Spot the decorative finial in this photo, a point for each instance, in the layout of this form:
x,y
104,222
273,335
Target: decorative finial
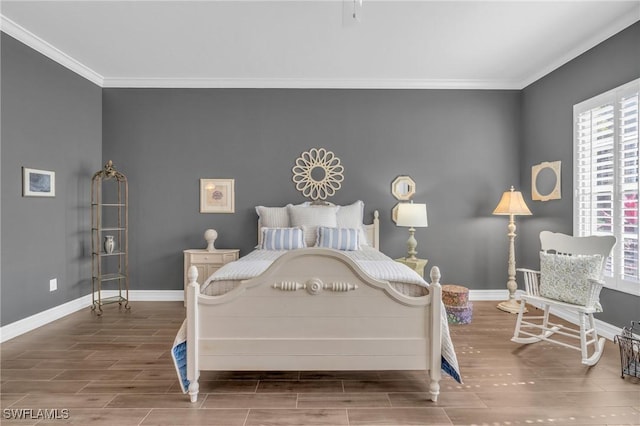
x,y
109,169
210,236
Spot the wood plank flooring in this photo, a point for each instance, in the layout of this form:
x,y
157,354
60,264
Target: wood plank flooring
x,y
117,370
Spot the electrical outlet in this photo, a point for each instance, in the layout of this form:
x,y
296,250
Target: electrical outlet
x,y
53,284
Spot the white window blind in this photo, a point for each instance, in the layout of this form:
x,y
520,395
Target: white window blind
x,y
606,183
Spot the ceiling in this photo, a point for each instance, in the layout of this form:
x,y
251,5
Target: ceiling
x,y
315,44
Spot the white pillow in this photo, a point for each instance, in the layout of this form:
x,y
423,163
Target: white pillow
x,y
352,216
338,238
281,238
309,218
565,278
273,217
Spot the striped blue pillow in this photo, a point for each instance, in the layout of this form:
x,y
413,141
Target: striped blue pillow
x,y
282,239
338,238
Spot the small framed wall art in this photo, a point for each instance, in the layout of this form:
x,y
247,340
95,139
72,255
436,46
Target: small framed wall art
x,y
217,196
38,183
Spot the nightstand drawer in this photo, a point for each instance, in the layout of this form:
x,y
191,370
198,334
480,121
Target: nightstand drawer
x,y
219,258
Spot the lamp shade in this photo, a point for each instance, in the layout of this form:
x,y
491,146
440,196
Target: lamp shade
x,y
413,215
512,203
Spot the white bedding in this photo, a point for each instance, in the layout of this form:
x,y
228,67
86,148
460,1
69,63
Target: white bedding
x,y
373,262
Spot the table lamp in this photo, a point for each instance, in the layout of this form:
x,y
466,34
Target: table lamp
x,y
412,215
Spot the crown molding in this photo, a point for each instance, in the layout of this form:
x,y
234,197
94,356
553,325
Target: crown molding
x,y
307,83
605,33
23,35
39,45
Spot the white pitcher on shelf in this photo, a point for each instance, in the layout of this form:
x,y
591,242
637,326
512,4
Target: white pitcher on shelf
x,y
109,244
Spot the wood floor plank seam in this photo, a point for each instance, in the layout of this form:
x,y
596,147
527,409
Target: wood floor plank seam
x,y
144,418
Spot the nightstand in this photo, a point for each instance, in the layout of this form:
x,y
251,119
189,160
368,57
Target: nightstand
x,y
417,264
207,262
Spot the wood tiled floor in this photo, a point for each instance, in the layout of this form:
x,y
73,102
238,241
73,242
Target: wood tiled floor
x,y
117,370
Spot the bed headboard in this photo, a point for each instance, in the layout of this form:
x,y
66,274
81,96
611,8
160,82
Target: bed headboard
x,y
372,231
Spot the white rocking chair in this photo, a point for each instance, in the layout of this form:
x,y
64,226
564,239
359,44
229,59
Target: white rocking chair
x,y
542,328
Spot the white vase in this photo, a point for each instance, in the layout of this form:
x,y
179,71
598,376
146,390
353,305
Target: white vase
x,y
109,244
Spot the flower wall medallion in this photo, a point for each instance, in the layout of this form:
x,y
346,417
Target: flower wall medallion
x,y
318,174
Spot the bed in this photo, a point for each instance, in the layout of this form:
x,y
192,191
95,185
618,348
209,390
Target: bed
x,y
315,308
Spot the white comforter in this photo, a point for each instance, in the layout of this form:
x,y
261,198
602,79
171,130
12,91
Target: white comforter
x,y
373,262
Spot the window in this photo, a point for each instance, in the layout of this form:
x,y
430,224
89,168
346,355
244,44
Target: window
x,y
606,180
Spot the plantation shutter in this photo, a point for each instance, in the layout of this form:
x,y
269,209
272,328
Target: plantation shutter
x,y
628,182
606,160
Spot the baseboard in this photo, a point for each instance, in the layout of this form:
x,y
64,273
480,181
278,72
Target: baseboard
x,y
25,325
488,295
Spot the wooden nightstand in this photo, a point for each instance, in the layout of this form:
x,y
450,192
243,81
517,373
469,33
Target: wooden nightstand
x,y
207,262
417,264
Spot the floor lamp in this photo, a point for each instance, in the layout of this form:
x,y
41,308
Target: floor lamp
x,y
511,204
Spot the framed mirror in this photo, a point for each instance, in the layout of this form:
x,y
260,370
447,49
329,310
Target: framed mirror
x,y
545,181
403,188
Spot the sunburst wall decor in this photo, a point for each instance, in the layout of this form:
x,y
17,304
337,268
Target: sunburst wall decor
x,y
318,174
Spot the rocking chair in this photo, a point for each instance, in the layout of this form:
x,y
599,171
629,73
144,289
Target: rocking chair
x,y
570,278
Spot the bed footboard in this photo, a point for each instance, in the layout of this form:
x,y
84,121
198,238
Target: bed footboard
x,y
314,309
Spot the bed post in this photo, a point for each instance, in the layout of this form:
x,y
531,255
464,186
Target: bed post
x,y
193,332
435,340
376,229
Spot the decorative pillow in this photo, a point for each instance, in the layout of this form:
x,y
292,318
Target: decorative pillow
x,y
351,216
565,277
282,238
338,238
273,217
310,218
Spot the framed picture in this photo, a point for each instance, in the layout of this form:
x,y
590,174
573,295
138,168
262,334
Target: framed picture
x,y
217,196
38,183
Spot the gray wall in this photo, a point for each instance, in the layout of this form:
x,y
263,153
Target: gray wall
x,y
547,112
461,148
51,120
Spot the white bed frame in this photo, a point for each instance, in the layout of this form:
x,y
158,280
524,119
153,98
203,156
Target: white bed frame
x,y
314,309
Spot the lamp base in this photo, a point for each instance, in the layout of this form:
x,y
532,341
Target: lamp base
x,y
512,306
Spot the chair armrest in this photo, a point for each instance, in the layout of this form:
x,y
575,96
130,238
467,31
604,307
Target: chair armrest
x,y
593,296
531,281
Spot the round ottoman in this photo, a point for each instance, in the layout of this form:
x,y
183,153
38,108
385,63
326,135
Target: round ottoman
x,y
456,303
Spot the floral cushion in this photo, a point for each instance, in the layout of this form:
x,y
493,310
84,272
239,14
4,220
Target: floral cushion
x,y
565,278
